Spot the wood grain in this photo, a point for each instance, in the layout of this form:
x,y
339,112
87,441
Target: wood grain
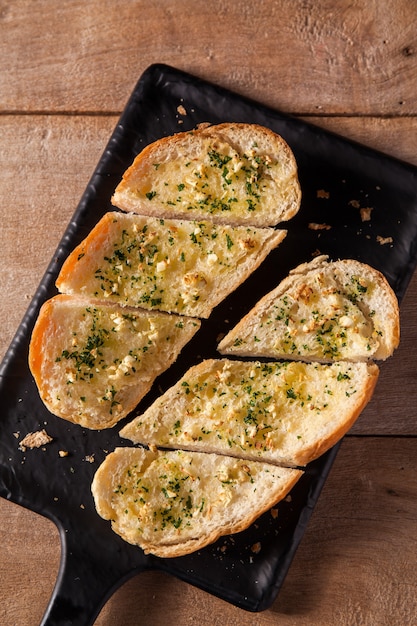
x,y
68,69
305,56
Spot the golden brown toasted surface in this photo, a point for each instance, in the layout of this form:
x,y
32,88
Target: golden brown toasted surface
x,y
323,311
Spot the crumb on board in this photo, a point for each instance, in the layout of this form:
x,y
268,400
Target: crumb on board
x,y
36,439
274,513
181,110
384,240
322,193
354,203
256,547
63,453
315,226
365,213
89,458
203,125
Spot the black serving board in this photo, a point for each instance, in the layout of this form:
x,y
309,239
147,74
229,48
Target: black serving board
x,y
337,177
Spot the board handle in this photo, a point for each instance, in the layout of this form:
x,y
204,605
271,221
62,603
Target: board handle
x,y
87,578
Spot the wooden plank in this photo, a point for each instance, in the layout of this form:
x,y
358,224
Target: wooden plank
x,y
46,165
395,137
345,57
29,561
355,565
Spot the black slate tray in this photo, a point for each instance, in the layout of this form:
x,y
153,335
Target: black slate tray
x,y
94,560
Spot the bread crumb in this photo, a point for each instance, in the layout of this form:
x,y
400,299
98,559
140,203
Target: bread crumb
x,y
63,453
274,513
256,548
16,435
89,458
181,110
315,226
354,203
203,125
384,240
321,193
35,440
288,499
366,214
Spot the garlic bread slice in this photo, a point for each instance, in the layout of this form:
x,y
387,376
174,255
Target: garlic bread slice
x,y
177,266
93,362
174,503
323,311
230,173
288,413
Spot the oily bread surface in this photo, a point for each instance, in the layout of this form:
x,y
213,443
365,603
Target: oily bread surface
x,y
173,503
323,311
177,266
230,173
284,413
93,361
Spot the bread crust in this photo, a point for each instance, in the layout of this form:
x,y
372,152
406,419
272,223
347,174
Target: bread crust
x,y
221,152
191,499
322,311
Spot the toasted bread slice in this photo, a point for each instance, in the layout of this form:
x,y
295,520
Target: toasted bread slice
x,y
174,503
230,173
177,266
323,311
93,362
286,413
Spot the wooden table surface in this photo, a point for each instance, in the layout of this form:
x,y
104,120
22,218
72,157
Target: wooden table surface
x,y
67,71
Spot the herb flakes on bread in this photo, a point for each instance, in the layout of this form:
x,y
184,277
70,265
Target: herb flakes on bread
x,y
323,311
179,266
230,173
93,362
287,413
174,503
